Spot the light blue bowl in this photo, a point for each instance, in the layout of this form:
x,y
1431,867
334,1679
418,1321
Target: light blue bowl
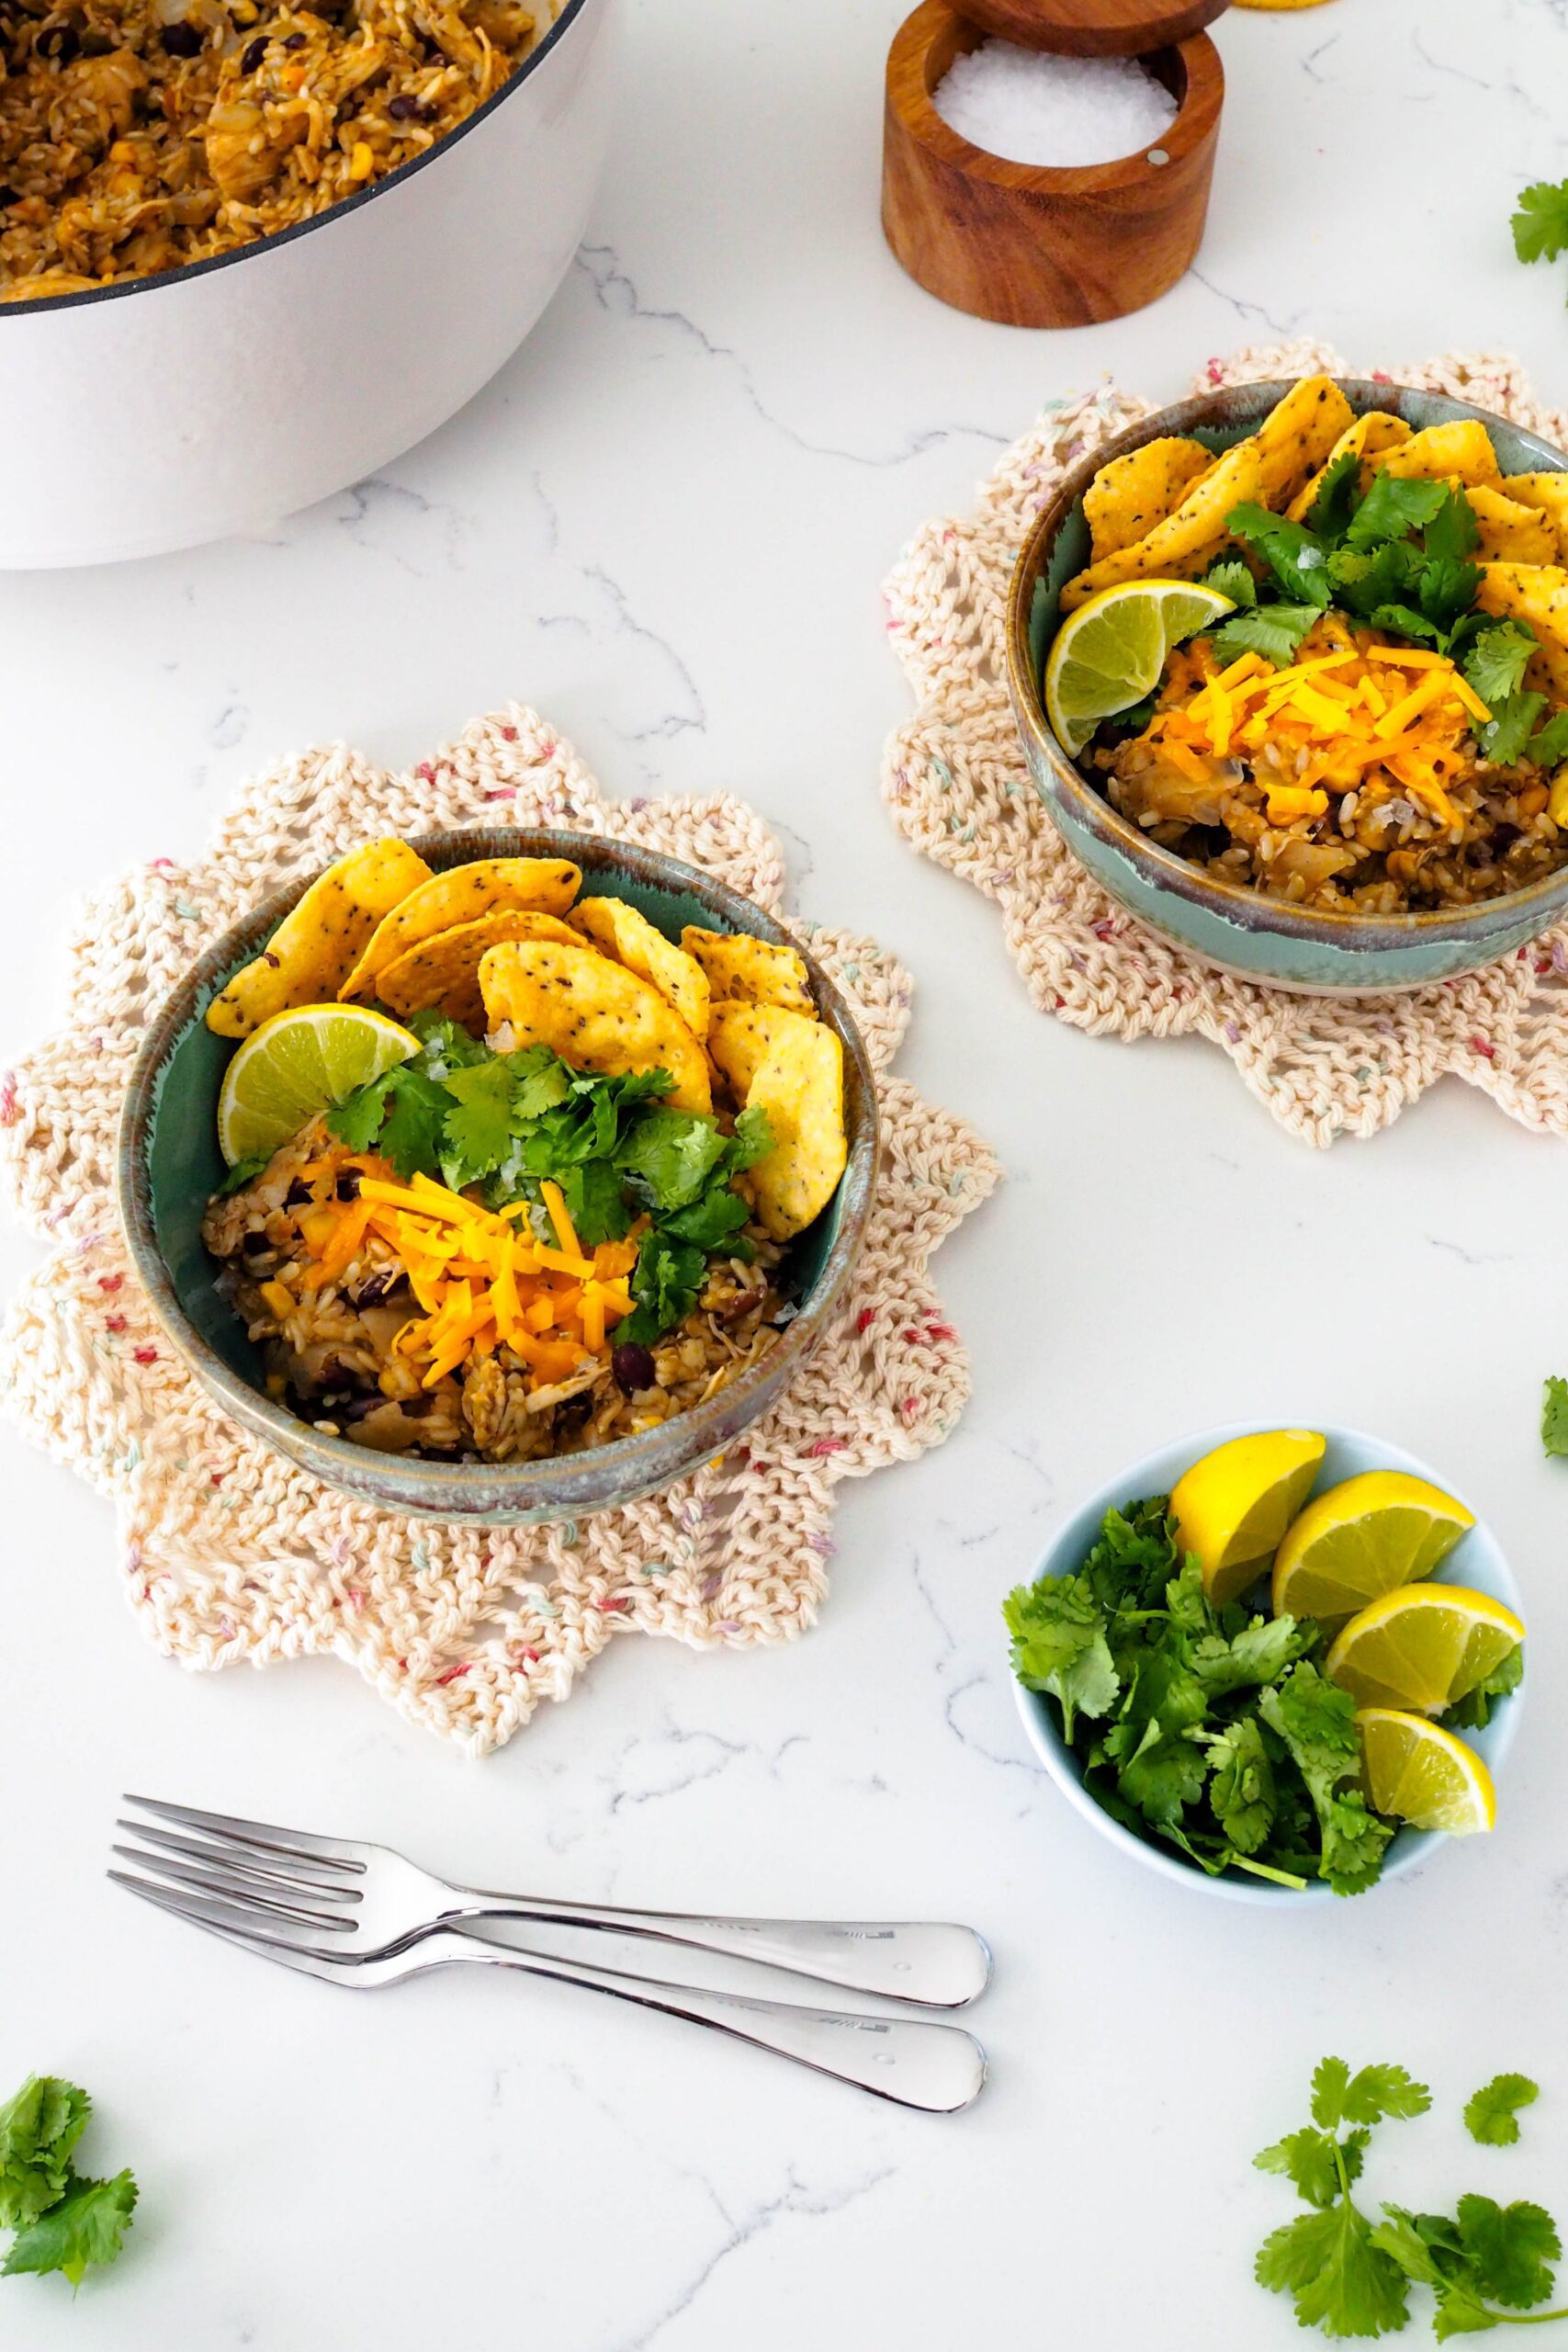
x,y
1241,930
1476,1560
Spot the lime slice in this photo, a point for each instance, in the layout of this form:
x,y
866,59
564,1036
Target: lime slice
x,y
297,1064
1112,650
1415,1771
1422,1646
1232,1507
1362,1538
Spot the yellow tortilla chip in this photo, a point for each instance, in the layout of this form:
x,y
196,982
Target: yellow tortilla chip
x,y
1461,451
594,1014
1186,543
752,971
460,895
443,971
1130,496
1511,531
1297,434
1536,592
628,938
1548,493
793,1068
1368,436
317,943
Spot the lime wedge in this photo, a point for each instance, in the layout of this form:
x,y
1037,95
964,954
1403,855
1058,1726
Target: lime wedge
x,y
1112,651
297,1064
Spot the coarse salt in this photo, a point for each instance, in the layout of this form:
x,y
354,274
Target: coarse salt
x,y
1030,106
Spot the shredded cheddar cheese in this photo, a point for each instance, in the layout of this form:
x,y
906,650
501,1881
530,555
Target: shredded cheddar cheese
x,y
481,1279
1329,723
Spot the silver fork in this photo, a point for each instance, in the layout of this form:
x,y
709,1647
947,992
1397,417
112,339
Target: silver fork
x,y
343,1899
913,2062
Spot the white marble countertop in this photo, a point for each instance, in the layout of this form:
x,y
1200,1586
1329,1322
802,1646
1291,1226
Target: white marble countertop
x,y
666,524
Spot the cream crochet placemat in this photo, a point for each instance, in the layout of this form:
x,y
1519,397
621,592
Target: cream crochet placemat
x,y
228,1551
955,782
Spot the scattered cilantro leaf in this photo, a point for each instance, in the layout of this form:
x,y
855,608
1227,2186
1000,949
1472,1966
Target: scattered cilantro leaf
x,y
1307,2159
1296,556
1454,531
1394,504
1337,2277
1495,664
85,2229
1274,630
1548,747
38,2129
1540,221
1231,577
1492,2113
1339,495
477,1124
62,2221
1503,740
1512,2250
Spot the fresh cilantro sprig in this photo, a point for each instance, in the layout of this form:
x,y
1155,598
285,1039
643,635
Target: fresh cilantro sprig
x,y
1207,1729
508,1123
1487,2264
62,2221
1492,2113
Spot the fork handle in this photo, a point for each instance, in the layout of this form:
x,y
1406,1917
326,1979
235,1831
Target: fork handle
x,y
937,1965
914,2062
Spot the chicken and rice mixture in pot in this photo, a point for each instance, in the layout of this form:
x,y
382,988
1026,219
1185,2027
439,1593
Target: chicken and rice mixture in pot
x,y
337,1344
138,135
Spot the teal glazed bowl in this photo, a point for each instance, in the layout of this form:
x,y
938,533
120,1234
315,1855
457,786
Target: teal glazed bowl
x,y
1477,1560
1241,930
169,1166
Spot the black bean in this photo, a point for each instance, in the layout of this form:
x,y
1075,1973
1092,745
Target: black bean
x,y
58,41
633,1368
256,1245
377,1291
416,1407
254,54
296,1195
358,1408
406,110
348,1187
295,40
182,39
1503,837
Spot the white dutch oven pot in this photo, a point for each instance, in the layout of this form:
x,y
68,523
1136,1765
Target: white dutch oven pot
x,y
172,410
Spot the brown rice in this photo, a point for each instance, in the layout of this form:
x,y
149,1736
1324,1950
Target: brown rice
x,y
331,1358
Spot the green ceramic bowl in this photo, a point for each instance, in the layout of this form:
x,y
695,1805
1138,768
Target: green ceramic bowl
x,y
170,1164
1240,930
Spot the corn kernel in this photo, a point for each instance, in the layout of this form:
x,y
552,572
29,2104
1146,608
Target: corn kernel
x,y
361,162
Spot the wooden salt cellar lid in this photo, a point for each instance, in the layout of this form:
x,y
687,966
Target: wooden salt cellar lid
x,y
1095,28
1032,245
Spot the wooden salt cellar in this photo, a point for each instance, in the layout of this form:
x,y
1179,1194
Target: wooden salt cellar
x,y
1042,246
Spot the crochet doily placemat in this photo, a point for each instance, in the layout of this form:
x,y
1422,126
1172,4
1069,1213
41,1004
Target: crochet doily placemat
x,y
956,781
230,1553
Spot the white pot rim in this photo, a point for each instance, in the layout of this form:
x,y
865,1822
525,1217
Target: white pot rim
x,y
15,314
